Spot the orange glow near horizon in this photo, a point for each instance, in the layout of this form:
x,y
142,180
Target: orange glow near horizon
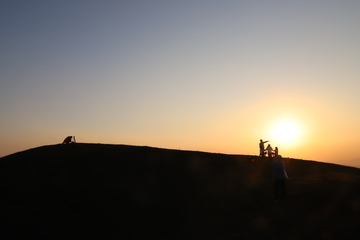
x,y
218,80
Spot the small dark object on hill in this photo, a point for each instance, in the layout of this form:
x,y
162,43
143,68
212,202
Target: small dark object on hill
x,y
67,140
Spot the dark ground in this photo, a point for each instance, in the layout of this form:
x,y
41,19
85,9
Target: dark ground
x,y
96,191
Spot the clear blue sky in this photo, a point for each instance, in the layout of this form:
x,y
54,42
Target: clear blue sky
x,y
200,75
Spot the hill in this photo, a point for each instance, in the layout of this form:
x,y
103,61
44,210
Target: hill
x,y
97,191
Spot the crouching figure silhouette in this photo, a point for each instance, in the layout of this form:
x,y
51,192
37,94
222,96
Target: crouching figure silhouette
x,y
67,140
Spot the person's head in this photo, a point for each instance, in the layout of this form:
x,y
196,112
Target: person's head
x,y
260,140
276,148
278,158
268,145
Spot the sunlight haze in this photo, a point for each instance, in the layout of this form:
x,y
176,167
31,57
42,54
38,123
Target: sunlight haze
x,y
213,76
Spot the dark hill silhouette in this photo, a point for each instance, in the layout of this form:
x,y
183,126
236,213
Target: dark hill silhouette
x,y
97,191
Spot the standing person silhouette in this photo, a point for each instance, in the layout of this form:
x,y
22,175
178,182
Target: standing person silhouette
x,y
280,176
262,148
269,151
276,151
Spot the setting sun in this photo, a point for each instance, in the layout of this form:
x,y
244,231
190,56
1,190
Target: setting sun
x,y
286,131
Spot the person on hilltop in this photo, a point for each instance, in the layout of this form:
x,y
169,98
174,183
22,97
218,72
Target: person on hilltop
x,y
276,152
262,149
67,140
280,176
269,151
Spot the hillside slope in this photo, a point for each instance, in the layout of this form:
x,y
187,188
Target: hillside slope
x,y
97,191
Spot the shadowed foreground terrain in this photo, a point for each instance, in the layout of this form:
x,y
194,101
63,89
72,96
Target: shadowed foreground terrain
x,y
97,191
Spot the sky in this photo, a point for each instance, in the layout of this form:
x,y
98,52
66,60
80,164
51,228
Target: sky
x,y
204,75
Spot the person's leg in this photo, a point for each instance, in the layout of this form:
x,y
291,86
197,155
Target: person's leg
x,y
282,189
276,190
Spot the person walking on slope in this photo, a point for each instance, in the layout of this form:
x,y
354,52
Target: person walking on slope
x,y
269,151
280,176
262,148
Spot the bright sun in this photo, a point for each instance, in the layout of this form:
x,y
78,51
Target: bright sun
x,y
286,131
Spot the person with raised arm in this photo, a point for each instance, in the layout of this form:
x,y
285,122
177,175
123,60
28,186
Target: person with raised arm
x,y
262,148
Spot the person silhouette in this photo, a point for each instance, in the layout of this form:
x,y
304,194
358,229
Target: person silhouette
x,y
280,176
269,151
262,149
276,152
67,140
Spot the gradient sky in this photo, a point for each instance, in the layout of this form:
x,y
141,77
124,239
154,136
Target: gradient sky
x,y
203,75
